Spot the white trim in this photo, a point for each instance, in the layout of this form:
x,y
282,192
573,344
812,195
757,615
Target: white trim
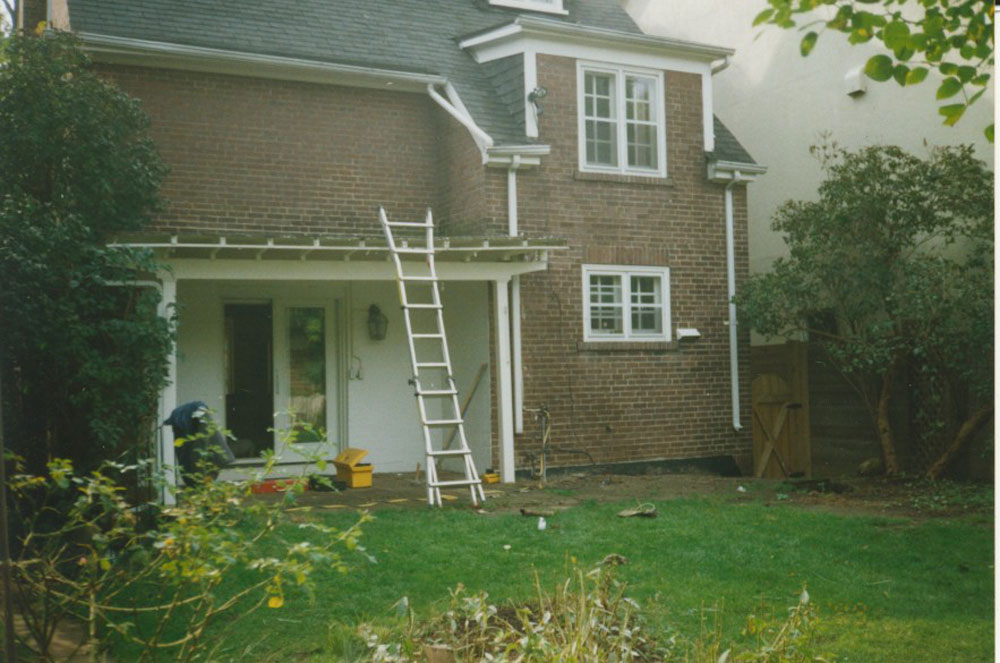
x,y
530,83
505,407
124,50
625,272
724,171
620,73
168,397
297,270
547,6
550,30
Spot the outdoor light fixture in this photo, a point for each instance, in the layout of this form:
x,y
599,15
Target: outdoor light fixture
x,y
377,323
535,96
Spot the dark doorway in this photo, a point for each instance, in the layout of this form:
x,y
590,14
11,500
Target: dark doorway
x,y
249,370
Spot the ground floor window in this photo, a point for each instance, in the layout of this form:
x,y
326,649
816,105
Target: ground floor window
x,y
626,303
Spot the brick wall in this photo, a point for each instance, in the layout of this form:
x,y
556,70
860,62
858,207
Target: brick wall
x,y
633,402
262,156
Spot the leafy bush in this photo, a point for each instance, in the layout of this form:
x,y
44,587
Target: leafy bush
x,y
83,355
148,579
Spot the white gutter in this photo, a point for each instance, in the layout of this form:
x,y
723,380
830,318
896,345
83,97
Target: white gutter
x,y
734,361
483,139
125,50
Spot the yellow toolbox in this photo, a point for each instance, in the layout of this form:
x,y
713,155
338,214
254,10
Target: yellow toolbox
x,y
351,470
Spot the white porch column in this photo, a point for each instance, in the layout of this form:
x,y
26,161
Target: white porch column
x,y
505,405
168,396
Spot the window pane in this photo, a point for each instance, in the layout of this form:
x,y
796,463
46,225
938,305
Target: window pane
x,y
606,305
307,355
601,143
647,306
641,145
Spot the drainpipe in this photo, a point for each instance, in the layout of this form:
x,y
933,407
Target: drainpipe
x,y
515,299
734,361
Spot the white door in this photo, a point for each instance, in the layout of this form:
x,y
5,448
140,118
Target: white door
x,y
306,381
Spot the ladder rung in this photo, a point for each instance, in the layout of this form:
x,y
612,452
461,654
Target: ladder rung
x,y
448,452
426,335
423,306
456,482
442,422
407,249
408,224
418,278
436,392
432,364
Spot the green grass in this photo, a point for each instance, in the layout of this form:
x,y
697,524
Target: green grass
x,y
887,589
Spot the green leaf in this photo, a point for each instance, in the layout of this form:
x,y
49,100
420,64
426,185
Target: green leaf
x,y
989,133
916,75
949,88
763,17
879,68
966,73
952,113
808,42
899,72
895,35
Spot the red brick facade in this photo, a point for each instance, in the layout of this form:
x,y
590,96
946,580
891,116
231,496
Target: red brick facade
x,y
263,156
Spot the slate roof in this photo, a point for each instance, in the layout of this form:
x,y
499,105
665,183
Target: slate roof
x,y
404,35
727,148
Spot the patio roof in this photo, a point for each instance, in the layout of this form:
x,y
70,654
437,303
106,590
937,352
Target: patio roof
x,y
304,248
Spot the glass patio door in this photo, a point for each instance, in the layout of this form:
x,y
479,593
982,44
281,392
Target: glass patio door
x,y
306,381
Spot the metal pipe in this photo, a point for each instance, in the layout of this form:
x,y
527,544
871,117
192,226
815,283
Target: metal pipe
x,y
734,361
483,139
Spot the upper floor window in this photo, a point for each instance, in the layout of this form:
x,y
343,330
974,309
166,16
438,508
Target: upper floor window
x,y
626,303
550,6
621,120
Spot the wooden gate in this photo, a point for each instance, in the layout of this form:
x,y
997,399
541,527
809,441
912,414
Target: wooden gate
x,y
779,447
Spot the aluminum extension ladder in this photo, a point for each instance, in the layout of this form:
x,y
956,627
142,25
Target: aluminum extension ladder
x,y
433,381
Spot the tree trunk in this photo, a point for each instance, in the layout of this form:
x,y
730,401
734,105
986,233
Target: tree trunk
x,y
883,424
958,442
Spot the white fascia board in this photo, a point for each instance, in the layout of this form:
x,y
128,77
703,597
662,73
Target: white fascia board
x,y
288,270
548,30
124,50
725,171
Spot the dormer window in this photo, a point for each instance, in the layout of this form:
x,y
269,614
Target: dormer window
x,y
621,120
548,6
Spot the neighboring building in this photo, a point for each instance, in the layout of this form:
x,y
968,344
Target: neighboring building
x,y
780,104
581,186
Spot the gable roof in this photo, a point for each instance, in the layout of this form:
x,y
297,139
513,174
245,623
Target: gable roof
x,y
416,36
401,35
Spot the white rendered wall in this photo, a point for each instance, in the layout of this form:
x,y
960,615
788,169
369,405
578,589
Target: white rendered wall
x,y
778,103
381,409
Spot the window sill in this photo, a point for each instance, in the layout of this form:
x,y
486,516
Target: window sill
x,y
656,347
621,178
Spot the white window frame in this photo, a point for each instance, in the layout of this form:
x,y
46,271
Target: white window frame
x,y
626,272
659,102
548,6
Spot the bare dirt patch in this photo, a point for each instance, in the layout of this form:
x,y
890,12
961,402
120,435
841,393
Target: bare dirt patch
x,y
897,497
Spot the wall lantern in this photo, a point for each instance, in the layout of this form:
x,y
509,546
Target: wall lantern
x,y
377,323
535,96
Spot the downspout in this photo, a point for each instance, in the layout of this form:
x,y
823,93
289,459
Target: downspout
x,y
734,361
515,299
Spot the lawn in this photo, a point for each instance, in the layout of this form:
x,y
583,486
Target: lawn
x,y
887,589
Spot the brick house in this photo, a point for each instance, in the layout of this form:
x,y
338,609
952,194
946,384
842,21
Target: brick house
x,y
590,209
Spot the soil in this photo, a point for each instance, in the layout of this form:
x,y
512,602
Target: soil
x,y
885,496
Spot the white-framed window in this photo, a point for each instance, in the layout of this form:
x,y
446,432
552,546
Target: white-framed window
x,y
621,120
549,6
626,303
